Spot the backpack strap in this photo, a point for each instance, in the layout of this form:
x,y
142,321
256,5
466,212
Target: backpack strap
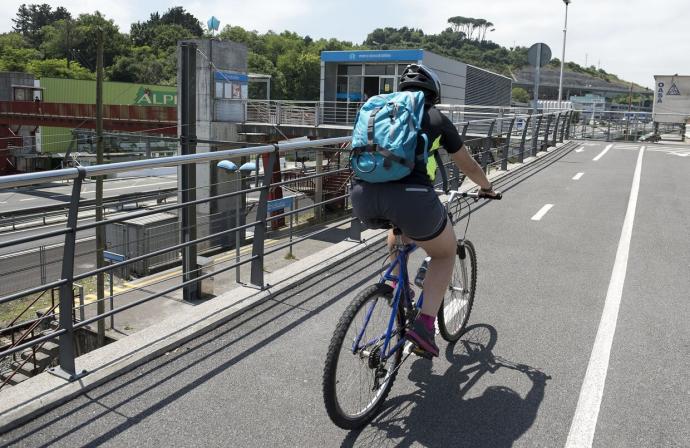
x,y
389,156
370,127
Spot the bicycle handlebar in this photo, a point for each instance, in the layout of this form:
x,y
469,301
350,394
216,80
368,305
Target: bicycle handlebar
x,y
475,194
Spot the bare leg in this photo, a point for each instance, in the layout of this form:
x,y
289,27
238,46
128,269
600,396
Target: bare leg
x,y
442,252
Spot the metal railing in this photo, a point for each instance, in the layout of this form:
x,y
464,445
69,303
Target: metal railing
x,y
610,125
497,139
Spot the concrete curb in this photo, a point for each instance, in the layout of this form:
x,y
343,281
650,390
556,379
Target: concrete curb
x,y
46,391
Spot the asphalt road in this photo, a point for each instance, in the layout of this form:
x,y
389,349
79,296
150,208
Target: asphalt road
x,y
542,286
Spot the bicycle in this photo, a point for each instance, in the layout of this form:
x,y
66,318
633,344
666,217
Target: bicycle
x,y
373,348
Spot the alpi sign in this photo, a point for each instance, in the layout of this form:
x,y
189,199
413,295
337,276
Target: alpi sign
x,y
149,97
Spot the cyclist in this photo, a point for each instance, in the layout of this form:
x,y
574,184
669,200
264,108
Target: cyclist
x,y
413,206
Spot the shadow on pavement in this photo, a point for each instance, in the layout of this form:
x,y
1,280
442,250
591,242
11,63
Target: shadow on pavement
x,y
308,293
438,414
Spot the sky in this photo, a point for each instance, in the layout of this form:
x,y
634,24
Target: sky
x,y
634,39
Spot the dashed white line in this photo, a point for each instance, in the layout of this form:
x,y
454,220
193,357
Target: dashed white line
x,y
584,423
132,186
27,199
602,153
540,214
580,149
578,176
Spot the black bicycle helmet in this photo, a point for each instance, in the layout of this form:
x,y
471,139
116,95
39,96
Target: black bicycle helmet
x,y
420,77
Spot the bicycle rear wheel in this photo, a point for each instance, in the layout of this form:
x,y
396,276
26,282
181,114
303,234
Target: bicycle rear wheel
x,y
356,382
457,304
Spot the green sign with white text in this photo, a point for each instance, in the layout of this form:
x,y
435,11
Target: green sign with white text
x,y
151,97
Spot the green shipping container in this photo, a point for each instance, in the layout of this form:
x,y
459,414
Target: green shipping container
x,y
57,90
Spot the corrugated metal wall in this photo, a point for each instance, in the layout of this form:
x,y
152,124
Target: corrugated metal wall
x,y
452,74
485,88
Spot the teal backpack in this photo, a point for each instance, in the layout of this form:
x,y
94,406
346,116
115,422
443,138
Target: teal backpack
x,y
385,137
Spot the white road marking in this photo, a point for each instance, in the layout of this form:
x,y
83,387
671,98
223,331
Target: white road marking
x,y
584,423
578,176
580,149
27,199
601,154
540,214
131,186
628,146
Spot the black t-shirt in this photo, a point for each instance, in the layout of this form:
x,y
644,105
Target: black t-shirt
x,y
434,125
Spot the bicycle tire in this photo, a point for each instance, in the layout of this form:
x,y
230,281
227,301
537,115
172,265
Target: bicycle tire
x,y
464,273
341,417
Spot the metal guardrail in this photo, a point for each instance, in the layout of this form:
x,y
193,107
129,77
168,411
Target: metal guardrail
x,y
506,137
611,125
13,218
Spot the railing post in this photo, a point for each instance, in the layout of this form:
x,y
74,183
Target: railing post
x,y
355,232
318,186
317,117
563,125
278,112
464,131
555,128
608,131
487,147
535,136
567,129
521,154
506,148
257,269
188,223
67,351
545,145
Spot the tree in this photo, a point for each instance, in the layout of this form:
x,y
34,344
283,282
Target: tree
x,y
144,65
468,25
178,16
58,68
165,37
16,59
30,19
520,95
302,70
261,64
84,44
12,40
58,39
141,33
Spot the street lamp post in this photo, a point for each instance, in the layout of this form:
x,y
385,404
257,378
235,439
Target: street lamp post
x,y
565,30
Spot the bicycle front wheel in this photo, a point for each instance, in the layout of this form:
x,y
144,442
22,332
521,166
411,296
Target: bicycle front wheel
x,y
457,303
356,381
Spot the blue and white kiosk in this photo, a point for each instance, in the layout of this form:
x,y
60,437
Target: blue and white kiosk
x,y
351,77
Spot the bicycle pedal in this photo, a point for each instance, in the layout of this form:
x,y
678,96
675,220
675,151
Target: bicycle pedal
x,y
421,353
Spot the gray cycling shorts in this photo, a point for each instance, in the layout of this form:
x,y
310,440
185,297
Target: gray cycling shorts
x,y
415,209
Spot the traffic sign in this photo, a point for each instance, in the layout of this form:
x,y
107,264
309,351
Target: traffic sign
x,y
540,53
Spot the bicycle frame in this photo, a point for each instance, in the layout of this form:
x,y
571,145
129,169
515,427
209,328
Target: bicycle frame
x,y
399,294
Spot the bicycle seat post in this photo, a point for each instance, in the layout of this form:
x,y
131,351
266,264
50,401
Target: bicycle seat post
x,y
399,245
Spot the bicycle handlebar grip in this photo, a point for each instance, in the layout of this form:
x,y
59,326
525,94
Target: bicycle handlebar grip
x,y
497,197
